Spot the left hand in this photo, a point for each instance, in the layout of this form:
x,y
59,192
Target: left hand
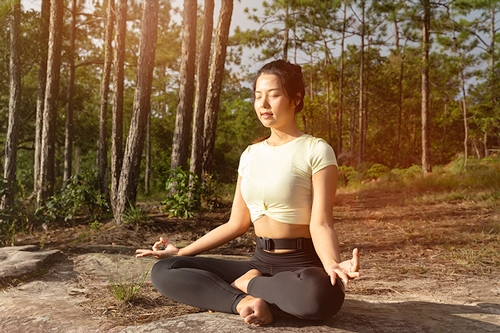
x,y
347,269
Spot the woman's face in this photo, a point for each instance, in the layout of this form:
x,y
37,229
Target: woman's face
x,y
273,108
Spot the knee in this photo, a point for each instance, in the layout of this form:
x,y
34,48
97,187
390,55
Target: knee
x,y
160,269
321,300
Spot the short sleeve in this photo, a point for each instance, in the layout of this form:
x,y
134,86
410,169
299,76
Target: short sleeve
x,y
244,160
322,155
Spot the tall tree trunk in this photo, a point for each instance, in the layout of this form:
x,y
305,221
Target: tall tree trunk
x,y
366,110
328,111
361,123
184,116
201,89
340,112
68,142
464,112
426,165
117,112
327,62
127,188
147,157
285,34
47,161
400,55
40,100
215,82
102,154
495,94
10,162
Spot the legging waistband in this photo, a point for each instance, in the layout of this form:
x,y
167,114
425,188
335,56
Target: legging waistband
x,y
299,244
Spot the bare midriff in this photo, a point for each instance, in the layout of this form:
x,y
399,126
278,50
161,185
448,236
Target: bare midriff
x,y
269,228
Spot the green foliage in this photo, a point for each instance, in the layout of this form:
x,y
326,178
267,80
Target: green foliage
x,y
135,215
186,193
377,171
184,190
125,289
480,182
349,176
211,192
12,219
79,197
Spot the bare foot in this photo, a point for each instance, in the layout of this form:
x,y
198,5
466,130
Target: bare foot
x,y
255,311
241,283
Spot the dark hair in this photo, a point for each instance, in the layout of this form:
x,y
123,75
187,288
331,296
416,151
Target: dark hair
x,y
290,76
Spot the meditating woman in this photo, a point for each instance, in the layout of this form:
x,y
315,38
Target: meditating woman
x,y
286,188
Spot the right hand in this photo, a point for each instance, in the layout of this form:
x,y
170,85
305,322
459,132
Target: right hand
x,y
168,250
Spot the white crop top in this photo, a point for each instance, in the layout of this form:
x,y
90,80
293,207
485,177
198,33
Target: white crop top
x,y
277,180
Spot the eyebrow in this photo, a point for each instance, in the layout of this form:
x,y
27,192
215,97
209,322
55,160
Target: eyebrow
x,y
273,89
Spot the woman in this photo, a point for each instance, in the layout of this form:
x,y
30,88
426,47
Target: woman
x,y
286,188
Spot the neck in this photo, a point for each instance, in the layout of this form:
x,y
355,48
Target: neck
x,y
279,137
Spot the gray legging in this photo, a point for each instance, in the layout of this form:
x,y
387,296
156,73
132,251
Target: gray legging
x,y
294,282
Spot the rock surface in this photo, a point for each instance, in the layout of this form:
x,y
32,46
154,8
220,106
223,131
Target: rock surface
x,y
16,261
51,304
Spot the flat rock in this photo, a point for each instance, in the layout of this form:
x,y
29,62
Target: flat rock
x,y
359,314
16,261
52,304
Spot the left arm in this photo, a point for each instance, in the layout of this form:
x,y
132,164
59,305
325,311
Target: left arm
x,y
326,242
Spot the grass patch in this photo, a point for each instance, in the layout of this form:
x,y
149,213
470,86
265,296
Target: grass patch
x,y
127,288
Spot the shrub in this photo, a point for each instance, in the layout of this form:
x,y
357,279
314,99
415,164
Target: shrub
x,y
135,215
13,218
183,197
186,193
79,197
377,171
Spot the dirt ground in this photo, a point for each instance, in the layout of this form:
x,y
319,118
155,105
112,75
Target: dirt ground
x,y
408,246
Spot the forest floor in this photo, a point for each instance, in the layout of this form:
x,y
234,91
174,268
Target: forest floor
x,y
409,245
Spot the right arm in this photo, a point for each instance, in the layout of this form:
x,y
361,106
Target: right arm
x,y
238,224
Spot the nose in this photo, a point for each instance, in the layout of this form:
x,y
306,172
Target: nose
x,y
264,103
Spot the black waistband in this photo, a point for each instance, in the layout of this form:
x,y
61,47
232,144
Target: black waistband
x,y
270,244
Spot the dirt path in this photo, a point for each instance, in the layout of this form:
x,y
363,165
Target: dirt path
x,y
426,267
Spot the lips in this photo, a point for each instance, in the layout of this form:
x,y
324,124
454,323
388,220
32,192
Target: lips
x,y
266,115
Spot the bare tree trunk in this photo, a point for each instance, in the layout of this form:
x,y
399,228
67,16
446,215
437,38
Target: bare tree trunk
x,y
340,112
47,161
426,165
40,100
147,157
285,34
361,123
400,92
68,142
464,110
493,73
328,110
215,82
201,89
184,116
352,137
327,77
127,188
10,162
102,154
118,85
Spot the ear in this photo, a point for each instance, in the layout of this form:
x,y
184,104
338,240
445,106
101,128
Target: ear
x,y
297,99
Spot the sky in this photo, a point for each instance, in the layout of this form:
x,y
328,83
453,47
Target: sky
x,y
239,18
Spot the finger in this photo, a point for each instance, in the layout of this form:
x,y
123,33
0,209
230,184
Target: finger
x,y
353,275
333,278
355,260
343,276
142,253
156,246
